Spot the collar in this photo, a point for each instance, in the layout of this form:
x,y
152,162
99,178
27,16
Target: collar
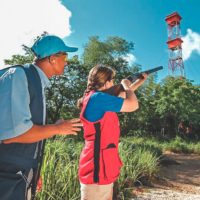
x,y
44,79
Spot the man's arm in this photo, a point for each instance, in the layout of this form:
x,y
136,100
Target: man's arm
x,y
37,133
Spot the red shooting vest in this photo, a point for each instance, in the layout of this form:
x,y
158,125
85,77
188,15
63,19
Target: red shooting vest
x,y
99,161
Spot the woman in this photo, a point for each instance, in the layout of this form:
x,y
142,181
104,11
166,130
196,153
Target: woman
x,y
99,164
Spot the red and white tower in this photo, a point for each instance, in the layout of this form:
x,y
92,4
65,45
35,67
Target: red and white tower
x,y
175,63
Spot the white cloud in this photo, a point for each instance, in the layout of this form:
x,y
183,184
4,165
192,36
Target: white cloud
x,y
191,43
23,20
130,58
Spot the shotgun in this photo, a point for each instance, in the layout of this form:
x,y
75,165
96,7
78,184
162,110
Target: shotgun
x,y
116,89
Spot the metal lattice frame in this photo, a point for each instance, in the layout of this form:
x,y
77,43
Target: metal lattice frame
x,y
175,62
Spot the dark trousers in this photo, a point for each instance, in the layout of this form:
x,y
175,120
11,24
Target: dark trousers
x,y
14,183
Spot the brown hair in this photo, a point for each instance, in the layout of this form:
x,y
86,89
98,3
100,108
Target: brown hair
x,y
98,76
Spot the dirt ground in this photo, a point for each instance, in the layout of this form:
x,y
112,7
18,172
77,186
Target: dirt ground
x,y
178,179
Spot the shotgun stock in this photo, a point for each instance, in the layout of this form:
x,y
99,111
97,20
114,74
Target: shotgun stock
x,y
116,89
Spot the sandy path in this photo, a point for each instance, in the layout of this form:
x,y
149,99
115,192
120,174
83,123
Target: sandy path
x,y
179,179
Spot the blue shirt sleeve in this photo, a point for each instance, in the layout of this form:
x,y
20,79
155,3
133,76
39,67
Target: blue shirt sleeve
x,y
14,104
99,103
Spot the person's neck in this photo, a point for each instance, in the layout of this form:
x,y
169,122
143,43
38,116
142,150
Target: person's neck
x,y
101,89
45,68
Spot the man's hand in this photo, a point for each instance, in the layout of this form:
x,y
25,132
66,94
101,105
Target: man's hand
x,y
67,127
37,133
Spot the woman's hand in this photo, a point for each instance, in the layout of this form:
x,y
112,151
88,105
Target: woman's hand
x,y
126,84
134,86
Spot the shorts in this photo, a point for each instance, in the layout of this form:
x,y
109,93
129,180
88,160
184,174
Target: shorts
x,y
96,192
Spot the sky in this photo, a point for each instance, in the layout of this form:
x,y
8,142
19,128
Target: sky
x,y
138,21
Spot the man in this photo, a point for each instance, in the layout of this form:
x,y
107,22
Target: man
x,y
23,114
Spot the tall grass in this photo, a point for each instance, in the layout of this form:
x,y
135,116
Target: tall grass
x,y
139,155
59,171
179,145
140,161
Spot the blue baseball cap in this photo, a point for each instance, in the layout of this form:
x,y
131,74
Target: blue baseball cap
x,y
49,45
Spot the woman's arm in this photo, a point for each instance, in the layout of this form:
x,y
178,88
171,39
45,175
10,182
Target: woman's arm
x,y
130,103
134,86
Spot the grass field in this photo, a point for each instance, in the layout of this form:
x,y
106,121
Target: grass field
x,y
140,156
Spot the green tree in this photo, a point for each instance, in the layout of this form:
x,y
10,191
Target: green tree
x,y
110,52
21,59
147,119
178,100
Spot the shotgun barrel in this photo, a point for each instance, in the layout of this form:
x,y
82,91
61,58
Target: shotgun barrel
x,y
138,75
116,89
